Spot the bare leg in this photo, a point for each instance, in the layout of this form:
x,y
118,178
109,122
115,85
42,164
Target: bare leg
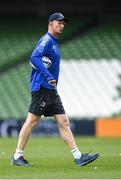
x,y
26,130
65,131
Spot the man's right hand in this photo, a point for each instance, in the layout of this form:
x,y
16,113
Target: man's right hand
x,y
52,82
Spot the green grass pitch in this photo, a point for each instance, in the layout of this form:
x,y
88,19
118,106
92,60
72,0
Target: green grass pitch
x,y
53,160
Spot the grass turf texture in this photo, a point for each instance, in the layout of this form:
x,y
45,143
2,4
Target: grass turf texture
x,y
54,161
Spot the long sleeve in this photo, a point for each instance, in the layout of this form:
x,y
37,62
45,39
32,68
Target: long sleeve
x,y
38,64
36,60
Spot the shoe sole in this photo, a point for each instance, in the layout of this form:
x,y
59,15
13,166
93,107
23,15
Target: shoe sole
x,y
91,160
26,165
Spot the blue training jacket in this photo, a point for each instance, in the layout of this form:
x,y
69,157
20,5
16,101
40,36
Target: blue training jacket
x,y
40,75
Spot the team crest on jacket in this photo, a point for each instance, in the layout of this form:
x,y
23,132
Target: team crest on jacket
x,y
54,48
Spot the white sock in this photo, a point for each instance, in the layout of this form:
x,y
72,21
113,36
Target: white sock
x,y
18,153
76,153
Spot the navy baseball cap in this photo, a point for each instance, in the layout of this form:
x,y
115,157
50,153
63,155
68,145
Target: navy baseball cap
x,y
57,17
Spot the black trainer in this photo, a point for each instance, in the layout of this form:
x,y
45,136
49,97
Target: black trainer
x,y
86,159
20,162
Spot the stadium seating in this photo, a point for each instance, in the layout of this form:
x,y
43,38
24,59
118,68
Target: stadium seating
x,y
88,88
102,42
14,89
89,73
17,43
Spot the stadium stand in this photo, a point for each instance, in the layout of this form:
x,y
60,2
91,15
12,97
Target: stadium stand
x,y
14,89
101,42
17,43
94,72
89,74
88,88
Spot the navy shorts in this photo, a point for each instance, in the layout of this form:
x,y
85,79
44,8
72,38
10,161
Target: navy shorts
x,y
46,102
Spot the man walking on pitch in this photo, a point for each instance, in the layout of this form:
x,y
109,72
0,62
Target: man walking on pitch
x,y
45,99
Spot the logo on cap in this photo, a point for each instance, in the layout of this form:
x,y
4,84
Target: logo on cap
x,y
60,15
